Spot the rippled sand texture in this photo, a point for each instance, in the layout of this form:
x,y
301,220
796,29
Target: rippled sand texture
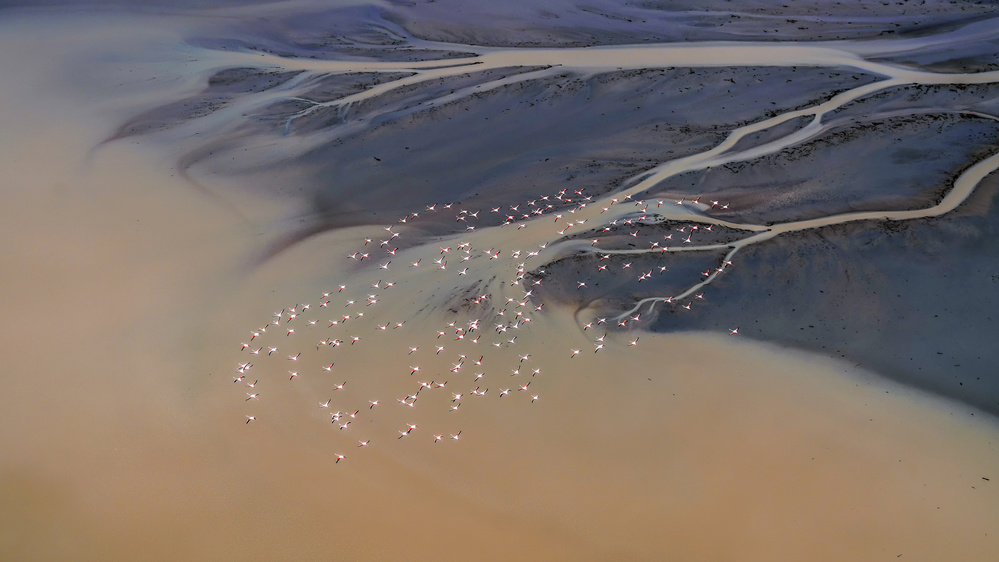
x,y
228,230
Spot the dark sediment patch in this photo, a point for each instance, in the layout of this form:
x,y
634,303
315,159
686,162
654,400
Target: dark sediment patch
x,y
336,86
918,99
914,300
898,163
772,134
617,287
978,56
393,104
602,22
168,116
221,88
247,80
324,32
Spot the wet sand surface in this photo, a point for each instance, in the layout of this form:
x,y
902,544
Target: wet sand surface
x,y
134,273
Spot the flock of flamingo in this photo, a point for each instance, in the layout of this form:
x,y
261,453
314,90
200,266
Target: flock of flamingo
x,y
455,358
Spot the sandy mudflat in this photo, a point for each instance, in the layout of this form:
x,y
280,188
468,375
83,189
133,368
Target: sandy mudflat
x,y
135,270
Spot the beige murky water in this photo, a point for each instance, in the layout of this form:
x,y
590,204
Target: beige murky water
x,y
122,436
